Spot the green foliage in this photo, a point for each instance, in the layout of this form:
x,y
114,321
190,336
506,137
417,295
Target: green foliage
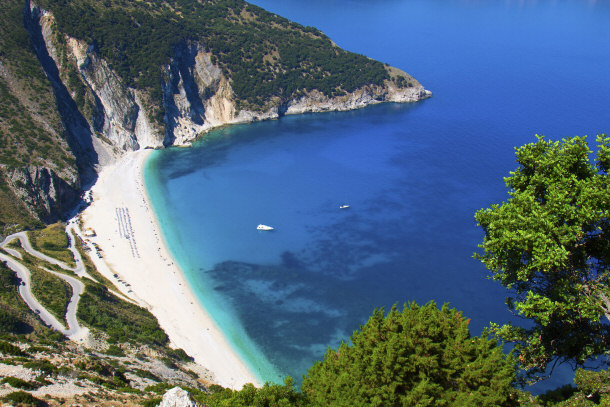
x,y
114,350
26,136
122,321
52,292
10,349
592,389
550,245
30,126
19,383
13,311
269,395
418,356
146,374
53,241
552,397
179,354
24,399
154,402
159,388
265,55
594,385
42,365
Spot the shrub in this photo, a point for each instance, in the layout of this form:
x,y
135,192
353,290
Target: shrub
x,y
19,383
42,365
23,398
417,356
10,349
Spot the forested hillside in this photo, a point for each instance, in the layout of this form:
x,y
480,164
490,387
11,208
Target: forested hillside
x,y
31,132
264,55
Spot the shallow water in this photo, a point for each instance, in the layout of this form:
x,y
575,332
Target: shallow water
x,y
413,174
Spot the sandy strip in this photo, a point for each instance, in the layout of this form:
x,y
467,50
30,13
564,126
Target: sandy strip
x,y
133,249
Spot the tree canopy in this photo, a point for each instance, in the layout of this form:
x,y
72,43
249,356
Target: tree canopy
x,y
549,244
420,356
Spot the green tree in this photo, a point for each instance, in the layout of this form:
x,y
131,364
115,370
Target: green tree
x,y
420,356
270,395
549,244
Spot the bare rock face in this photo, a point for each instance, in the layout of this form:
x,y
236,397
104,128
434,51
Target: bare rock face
x,y
42,190
316,101
117,104
177,397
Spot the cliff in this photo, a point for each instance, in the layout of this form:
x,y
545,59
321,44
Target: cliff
x,y
196,95
164,75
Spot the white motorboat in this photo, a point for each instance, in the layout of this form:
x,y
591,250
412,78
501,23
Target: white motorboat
x,y
344,207
264,227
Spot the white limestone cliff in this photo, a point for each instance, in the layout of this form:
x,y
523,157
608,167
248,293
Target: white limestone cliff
x,y
197,97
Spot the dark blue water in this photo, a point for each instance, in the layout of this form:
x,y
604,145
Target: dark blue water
x,y
414,175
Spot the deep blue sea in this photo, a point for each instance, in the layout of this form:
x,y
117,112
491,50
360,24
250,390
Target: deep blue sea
x,y
414,175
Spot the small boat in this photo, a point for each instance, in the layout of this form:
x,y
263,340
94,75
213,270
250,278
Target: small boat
x,y
344,207
264,227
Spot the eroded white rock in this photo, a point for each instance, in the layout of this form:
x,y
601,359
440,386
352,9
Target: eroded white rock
x,y
177,397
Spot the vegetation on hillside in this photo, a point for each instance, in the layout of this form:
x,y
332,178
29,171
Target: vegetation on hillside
x,y
550,245
139,356
30,128
15,316
53,241
120,320
14,215
265,55
52,292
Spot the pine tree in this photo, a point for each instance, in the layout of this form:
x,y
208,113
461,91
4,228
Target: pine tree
x,y
420,356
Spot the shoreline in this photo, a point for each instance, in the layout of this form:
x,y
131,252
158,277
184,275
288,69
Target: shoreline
x,y
134,255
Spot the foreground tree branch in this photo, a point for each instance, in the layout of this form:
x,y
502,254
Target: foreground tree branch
x,y
549,244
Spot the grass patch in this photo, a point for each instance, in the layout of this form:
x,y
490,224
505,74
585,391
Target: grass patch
x,y
53,241
15,316
52,292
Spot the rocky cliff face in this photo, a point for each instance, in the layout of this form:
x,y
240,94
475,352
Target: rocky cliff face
x,y
45,194
196,96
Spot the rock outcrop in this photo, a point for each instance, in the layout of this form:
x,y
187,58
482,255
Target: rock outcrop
x,y
45,194
177,397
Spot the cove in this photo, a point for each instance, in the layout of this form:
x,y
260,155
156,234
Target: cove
x,y
413,175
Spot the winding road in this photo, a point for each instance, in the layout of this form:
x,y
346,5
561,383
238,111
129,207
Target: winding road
x,y
74,331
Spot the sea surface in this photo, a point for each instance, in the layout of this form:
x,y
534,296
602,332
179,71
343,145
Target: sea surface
x,y
413,174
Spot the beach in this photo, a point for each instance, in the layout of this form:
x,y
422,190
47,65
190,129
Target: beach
x,y
133,255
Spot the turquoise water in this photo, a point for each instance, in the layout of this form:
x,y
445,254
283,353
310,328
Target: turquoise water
x,y
413,174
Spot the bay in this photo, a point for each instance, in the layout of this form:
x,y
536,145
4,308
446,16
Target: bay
x,y
414,175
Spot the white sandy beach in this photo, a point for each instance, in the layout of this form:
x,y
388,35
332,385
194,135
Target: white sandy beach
x,y
133,249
